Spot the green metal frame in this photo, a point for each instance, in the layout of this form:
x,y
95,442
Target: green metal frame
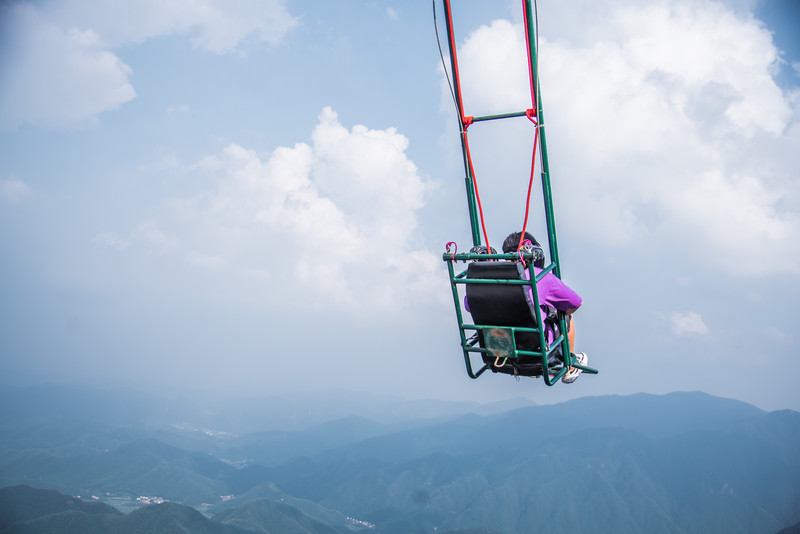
x,y
550,376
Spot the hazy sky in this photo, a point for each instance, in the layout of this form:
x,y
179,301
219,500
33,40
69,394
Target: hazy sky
x,y
253,196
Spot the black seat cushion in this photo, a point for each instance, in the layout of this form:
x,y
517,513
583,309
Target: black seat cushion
x,y
504,306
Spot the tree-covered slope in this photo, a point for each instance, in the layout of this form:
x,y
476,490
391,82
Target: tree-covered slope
x,y
21,503
680,463
32,511
142,467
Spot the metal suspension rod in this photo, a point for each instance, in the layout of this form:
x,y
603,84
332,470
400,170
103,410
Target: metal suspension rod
x,y
547,191
471,200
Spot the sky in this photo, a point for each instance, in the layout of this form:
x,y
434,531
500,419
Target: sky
x,y
252,197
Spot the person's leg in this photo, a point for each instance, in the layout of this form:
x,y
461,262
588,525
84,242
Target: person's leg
x,y
580,357
571,334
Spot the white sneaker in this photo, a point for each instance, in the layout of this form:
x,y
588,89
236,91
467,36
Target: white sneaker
x,y
572,374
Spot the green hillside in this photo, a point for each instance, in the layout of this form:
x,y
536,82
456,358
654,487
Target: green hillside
x,y
31,511
142,467
680,463
267,517
22,503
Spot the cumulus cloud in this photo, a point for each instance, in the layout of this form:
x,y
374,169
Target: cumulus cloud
x,y
53,76
334,219
687,323
494,77
665,126
13,190
218,26
57,65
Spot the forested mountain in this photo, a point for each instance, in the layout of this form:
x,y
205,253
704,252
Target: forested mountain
x,y
255,517
678,463
23,503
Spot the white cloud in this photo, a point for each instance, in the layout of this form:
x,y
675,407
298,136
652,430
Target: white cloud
x,y
664,126
159,242
775,334
701,43
58,68
13,190
494,75
687,323
739,220
53,76
333,220
218,26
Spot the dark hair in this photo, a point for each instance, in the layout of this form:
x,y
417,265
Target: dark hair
x,y
511,244
481,249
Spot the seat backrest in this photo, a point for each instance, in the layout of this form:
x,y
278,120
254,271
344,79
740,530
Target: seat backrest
x,y
505,306
498,304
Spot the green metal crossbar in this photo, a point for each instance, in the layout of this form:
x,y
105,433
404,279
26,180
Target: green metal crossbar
x,y
500,116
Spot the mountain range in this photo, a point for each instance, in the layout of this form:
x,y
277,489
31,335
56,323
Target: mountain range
x,y
676,463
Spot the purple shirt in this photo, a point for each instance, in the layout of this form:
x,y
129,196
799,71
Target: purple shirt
x,y
552,292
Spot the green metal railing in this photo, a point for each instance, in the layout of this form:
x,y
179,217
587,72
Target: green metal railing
x,y
550,373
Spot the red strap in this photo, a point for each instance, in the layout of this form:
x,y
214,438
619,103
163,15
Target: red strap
x,y
530,182
475,186
467,120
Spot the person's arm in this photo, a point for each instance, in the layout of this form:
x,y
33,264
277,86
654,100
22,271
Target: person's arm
x,y
561,296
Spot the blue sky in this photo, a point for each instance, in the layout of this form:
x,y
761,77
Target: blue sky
x,y
253,197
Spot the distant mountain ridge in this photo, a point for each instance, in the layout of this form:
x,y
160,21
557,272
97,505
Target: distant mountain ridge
x,y
676,463
66,515
287,412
